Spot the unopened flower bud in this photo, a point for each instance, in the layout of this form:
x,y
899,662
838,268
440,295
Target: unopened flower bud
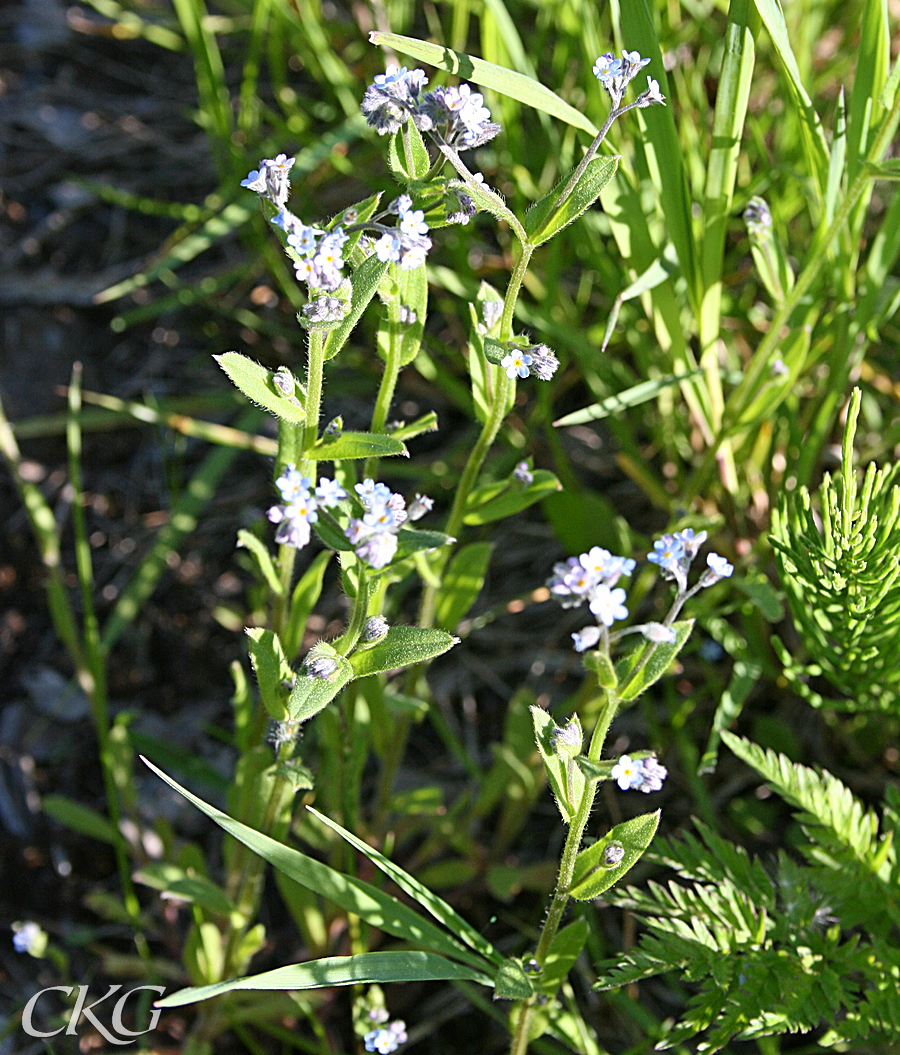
x,y
334,428
283,380
613,854
375,629
419,506
567,739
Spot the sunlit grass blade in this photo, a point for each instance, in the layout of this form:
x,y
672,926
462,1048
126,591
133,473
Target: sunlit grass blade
x,y
732,96
438,908
661,147
506,82
367,968
209,72
813,136
352,894
872,60
211,431
631,397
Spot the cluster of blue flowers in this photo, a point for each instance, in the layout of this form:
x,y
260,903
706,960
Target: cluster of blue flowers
x,y
616,74
674,553
374,535
639,774
300,504
455,116
386,1039
592,577
407,242
319,254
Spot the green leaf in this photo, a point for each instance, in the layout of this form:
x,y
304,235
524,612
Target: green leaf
x,y
402,646
557,769
512,499
349,893
355,445
271,670
263,559
331,533
461,583
368,968
631,684
310,694
591,877
564,951
811,126
542,222
258,385
630,397
192,888
414,540
511,982
888,170
496,351
426,423
365,280
79,818
408,155
438,908
515,85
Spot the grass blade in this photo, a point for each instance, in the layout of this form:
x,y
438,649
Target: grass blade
x,y
366,901
506,82
438,908
366,968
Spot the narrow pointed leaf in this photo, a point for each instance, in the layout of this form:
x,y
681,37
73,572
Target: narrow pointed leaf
x,y
368,968
366,901
438,908
355,445
402,646
258,385
542,222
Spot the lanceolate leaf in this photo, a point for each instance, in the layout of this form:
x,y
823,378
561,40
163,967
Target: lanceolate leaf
x,y
512,499
311,694
365,969
438,908
507,82
257,383
355,445
633,681
542,222
402,646
366,901
462,583
365,281
630,839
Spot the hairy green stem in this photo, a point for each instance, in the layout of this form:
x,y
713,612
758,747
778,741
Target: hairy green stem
x,y
519,1044
389,378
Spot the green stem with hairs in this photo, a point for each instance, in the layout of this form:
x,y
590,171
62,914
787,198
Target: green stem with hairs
x,y
519,1044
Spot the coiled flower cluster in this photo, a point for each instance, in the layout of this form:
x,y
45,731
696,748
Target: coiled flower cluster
x,y
374,535
454,116
300,505
616,74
